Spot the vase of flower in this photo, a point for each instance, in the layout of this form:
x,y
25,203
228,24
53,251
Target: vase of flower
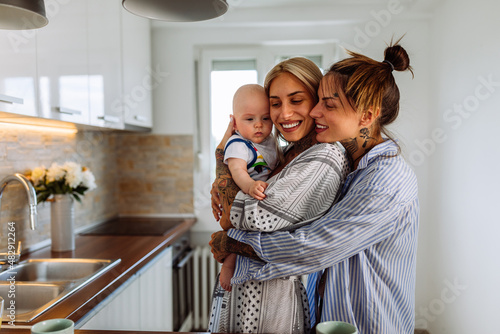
x,y
62,185
62,223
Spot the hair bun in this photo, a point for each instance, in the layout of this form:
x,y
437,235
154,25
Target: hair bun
x,y
398,57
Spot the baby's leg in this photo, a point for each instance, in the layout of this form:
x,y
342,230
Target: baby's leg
x,y
227,271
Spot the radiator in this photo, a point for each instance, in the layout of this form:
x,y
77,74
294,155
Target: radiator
x,y
204,276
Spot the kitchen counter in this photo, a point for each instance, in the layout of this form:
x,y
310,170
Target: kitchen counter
x,y
134,251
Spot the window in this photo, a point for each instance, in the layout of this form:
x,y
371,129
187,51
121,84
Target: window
x,y
225,78
317,59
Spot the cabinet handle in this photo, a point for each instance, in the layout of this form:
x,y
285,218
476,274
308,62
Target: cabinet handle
x,y
110,119
68,111
140,118
11,99
185,260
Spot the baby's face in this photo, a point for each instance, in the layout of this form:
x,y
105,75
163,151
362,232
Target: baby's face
x,y
252,119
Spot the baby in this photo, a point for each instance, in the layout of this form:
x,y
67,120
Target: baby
x,y
250,154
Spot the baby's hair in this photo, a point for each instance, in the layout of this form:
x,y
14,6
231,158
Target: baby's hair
x,y
248,88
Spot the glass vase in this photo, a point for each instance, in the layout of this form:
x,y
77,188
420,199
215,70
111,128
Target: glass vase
x,y
62,222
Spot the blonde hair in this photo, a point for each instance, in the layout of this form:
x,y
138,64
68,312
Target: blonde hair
x,y
303,69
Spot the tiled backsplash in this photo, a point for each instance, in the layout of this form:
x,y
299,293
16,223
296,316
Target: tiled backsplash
x,y
135,174
155,174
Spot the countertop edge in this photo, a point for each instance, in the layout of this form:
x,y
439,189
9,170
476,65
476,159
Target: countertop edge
x,y
83,301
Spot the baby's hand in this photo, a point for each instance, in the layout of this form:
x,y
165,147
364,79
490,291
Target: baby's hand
x,y
257,190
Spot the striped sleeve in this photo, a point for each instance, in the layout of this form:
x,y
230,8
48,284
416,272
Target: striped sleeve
x,y
301,192
343,232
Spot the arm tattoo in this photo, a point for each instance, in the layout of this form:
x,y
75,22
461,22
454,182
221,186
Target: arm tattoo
x,y
241,249
225,183
227,193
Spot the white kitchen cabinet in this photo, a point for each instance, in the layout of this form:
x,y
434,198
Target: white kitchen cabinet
x,y
18,72
105,65
137,71
62,60
143,304
90,65
155,286
122,311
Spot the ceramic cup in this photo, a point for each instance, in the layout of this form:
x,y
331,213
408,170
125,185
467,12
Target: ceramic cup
x,y
335,327
54,326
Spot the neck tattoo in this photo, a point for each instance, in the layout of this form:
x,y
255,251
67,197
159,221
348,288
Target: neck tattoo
x,y
365,135
352,146
303,144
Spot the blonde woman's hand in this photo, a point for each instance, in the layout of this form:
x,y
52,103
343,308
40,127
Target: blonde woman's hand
x,y
218,243
215,199
229,132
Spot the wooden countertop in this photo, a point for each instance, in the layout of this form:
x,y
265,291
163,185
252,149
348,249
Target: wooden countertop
x,y
134,252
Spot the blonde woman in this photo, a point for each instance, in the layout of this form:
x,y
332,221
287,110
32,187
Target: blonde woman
x,y
303,188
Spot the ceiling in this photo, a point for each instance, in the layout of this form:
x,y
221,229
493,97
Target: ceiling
x,y
282,3
272,12
420,4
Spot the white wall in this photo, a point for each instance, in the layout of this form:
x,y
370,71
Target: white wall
x,y
465,228
454,162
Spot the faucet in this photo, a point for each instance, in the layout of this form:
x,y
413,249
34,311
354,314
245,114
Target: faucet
x,y
30,191
13,257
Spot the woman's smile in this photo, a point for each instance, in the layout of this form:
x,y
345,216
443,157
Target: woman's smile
x,y
290,126
320,128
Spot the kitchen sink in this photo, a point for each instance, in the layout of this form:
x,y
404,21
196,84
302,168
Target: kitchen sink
x,y
50,270
38,284
29,298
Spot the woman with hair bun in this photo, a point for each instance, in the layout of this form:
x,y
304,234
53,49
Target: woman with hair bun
x,y
361,255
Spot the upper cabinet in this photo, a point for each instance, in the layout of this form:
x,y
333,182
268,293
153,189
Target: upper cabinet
x,y
18,72
62,59
137,71
90,65
105,65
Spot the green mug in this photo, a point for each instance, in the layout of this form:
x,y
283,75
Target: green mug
x,y
335,327
54,326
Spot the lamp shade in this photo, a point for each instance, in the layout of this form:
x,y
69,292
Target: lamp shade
x,y
177,10
22,14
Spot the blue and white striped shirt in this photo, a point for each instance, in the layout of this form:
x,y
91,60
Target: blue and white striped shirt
x,y
367,242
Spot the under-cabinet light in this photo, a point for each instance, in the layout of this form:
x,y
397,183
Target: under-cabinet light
x,y
39,128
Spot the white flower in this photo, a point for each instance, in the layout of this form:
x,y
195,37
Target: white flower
x,y
55,173
62,179
88,180
37,175
73,174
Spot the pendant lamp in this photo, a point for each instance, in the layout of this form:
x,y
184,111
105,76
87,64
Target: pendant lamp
x,y
177,10
22,14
